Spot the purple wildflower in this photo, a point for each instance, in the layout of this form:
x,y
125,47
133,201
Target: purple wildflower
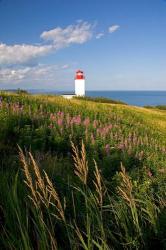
x,y
121,146
76,120
60,114
86,122
107,149
95,123
149,173
52,117
60,121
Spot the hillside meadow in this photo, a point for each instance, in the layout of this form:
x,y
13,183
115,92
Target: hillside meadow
x,y
81,174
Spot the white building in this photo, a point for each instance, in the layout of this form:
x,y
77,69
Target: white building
x,y
79,85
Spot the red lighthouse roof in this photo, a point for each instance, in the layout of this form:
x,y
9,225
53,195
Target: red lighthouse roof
x,y
79,74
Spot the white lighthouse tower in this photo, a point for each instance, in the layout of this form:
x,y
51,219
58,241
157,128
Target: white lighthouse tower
x,y
79,83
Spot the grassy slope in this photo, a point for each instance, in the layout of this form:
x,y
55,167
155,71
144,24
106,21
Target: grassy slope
x,y
137,224
154,117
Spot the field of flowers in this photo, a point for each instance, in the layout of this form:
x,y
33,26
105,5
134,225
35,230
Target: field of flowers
x,y
75,174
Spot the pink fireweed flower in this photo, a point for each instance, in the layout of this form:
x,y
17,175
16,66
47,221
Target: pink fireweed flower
x,y
121,146
60,121
95,123
52,117
60,114
76,120
149,173
107,149
103,131
86,122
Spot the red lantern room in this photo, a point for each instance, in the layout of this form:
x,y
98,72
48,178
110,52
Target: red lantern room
x,y
79,75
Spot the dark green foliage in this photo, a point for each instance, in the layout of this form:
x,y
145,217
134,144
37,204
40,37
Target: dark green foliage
x,y
100,100
161,107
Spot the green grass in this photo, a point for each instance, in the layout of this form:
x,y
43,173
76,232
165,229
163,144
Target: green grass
x,y
161,107
100,100
95,177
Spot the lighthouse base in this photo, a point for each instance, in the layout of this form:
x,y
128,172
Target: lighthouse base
x,y
80,87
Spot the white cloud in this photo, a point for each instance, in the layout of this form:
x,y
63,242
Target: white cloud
x,y
7,74
72,34
99,35
19,54
57,38
35,73
113,28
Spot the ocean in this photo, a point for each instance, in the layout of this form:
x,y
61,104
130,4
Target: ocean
x,y
137,98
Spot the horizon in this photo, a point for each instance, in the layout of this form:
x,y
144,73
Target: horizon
x,y
116,43
88,90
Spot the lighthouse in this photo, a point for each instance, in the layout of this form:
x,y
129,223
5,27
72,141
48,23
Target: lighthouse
x,y
79,83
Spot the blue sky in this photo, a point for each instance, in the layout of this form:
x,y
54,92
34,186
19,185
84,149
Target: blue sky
x,y
119,44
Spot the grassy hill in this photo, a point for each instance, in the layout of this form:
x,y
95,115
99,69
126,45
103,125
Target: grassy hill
x,y
79,174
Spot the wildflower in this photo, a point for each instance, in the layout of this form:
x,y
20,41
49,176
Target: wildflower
x,y
60,121
76,120
52,117
107,149
95,123
86,122
121,146
149,173
60,114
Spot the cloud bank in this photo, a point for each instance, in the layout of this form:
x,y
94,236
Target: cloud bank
x,y
35,73
57,38
18,54
19,62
